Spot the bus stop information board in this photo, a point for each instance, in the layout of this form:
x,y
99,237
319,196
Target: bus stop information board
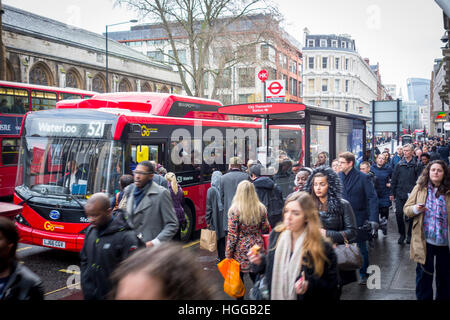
x,y
261,109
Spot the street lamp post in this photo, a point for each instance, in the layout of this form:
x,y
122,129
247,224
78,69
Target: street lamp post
x,y
106,48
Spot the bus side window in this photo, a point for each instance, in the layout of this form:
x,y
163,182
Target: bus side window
x,y
13,100
42,100
10,151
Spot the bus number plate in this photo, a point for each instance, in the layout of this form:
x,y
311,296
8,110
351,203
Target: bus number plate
x,y
54,243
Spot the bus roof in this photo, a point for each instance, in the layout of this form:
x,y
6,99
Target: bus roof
x,y
44,88
117,118
161,104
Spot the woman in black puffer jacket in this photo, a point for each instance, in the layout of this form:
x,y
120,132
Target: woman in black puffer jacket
x,y
336,214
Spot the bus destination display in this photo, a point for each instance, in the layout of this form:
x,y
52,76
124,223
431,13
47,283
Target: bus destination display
x,y
91,129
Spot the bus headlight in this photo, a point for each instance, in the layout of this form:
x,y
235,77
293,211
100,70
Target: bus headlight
x,y
20,219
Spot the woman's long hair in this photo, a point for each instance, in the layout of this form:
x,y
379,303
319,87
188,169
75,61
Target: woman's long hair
x,y
313,246
246,201
424,178
172,179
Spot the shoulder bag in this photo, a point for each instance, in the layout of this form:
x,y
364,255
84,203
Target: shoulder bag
x,y
348,255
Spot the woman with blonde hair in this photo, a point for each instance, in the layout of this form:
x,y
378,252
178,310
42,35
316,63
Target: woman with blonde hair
x,y
247,221
300,263
177,195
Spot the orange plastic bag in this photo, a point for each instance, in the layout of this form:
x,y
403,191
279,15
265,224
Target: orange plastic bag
x,y
233,285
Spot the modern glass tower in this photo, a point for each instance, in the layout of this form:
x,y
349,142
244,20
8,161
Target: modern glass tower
x,y
418,88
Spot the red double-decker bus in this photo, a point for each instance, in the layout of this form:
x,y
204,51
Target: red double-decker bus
x,y
107,136
16,99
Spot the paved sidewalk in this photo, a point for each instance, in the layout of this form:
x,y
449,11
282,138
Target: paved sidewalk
x,y
397,271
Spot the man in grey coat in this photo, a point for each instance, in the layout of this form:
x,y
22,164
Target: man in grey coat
x,y
229,183
150,209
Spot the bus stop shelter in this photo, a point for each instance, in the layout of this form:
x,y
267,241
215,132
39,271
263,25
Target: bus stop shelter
x,y
324,130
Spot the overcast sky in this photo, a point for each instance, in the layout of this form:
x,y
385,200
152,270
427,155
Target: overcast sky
x,y
402,35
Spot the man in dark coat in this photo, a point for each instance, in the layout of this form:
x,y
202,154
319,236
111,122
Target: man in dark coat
x,y
17,282
433,154
230,181
404,179
108,241
359,190
443,151
269,193
383,174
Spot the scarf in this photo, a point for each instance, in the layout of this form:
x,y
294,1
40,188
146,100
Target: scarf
x,y
286,267
139,193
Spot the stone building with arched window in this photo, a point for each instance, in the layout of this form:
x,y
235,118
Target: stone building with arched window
x,y
47,52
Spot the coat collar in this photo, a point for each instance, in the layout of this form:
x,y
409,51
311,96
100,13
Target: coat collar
x,y
146,201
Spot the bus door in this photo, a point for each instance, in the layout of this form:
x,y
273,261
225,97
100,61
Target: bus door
x,y
145,150
8,165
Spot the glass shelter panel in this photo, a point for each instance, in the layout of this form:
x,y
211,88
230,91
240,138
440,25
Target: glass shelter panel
x,y
287,148
349,137
320,142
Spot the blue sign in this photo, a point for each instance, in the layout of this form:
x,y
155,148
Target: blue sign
x,y
55,215
10,125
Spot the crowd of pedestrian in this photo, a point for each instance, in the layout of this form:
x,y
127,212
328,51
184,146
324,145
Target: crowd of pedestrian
x,y
129,252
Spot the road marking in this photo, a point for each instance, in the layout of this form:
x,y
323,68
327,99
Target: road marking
x,y
193,243
66,287
69,271
23,249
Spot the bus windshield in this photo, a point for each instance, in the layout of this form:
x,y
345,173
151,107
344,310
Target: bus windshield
x,y
68,166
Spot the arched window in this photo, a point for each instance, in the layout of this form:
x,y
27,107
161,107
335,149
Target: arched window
x,y
164,89
40,74
146,87
124,86
98,84
73,80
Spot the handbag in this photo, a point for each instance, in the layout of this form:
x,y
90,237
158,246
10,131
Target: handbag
x,y
260,290
208,240
233,284
348,256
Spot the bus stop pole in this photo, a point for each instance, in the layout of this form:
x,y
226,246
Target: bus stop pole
x,y
266,127
398,123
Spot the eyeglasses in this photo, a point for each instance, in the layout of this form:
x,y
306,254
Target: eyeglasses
x,y
141,172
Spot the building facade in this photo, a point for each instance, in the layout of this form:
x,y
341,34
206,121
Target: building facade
x,y
438,97
280,55
336,76
47,52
